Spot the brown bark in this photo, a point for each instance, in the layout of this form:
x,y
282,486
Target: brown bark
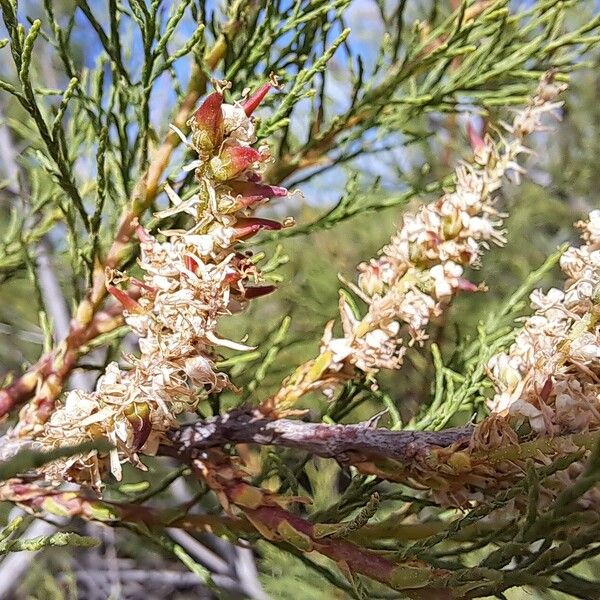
x,y
329,441
356,560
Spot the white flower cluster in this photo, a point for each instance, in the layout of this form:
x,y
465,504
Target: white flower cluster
x,y
190,280
550,377
422,267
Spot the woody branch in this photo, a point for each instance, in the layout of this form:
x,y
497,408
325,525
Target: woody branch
x,y
329,441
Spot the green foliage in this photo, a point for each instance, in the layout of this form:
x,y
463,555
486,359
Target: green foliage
x,y
8,542
460,388
62,538
27,459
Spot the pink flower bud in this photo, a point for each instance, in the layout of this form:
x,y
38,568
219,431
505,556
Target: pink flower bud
x,y
477,143
143,235
235,160
247,227
208,122
252,103
465,285
251,192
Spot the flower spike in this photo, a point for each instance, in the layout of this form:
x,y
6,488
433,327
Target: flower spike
x,y
417,274
191,278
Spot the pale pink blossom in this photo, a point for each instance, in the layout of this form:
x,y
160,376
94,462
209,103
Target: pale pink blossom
x,y
556,383
418,273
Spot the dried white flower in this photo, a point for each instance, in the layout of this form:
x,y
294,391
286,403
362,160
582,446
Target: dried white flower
x,y
421,269
555,383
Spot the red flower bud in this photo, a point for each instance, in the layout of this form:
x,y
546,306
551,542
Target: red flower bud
x,y
235,160
127,301
252,103
247,227
208,122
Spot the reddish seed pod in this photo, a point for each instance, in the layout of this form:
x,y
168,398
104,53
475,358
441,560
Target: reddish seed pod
x,y
257,191
190,263
235,160
139,283
247,227
546,389
138,415
251,192
258,291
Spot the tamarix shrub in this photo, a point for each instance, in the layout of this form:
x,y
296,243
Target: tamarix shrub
x,y
142,245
